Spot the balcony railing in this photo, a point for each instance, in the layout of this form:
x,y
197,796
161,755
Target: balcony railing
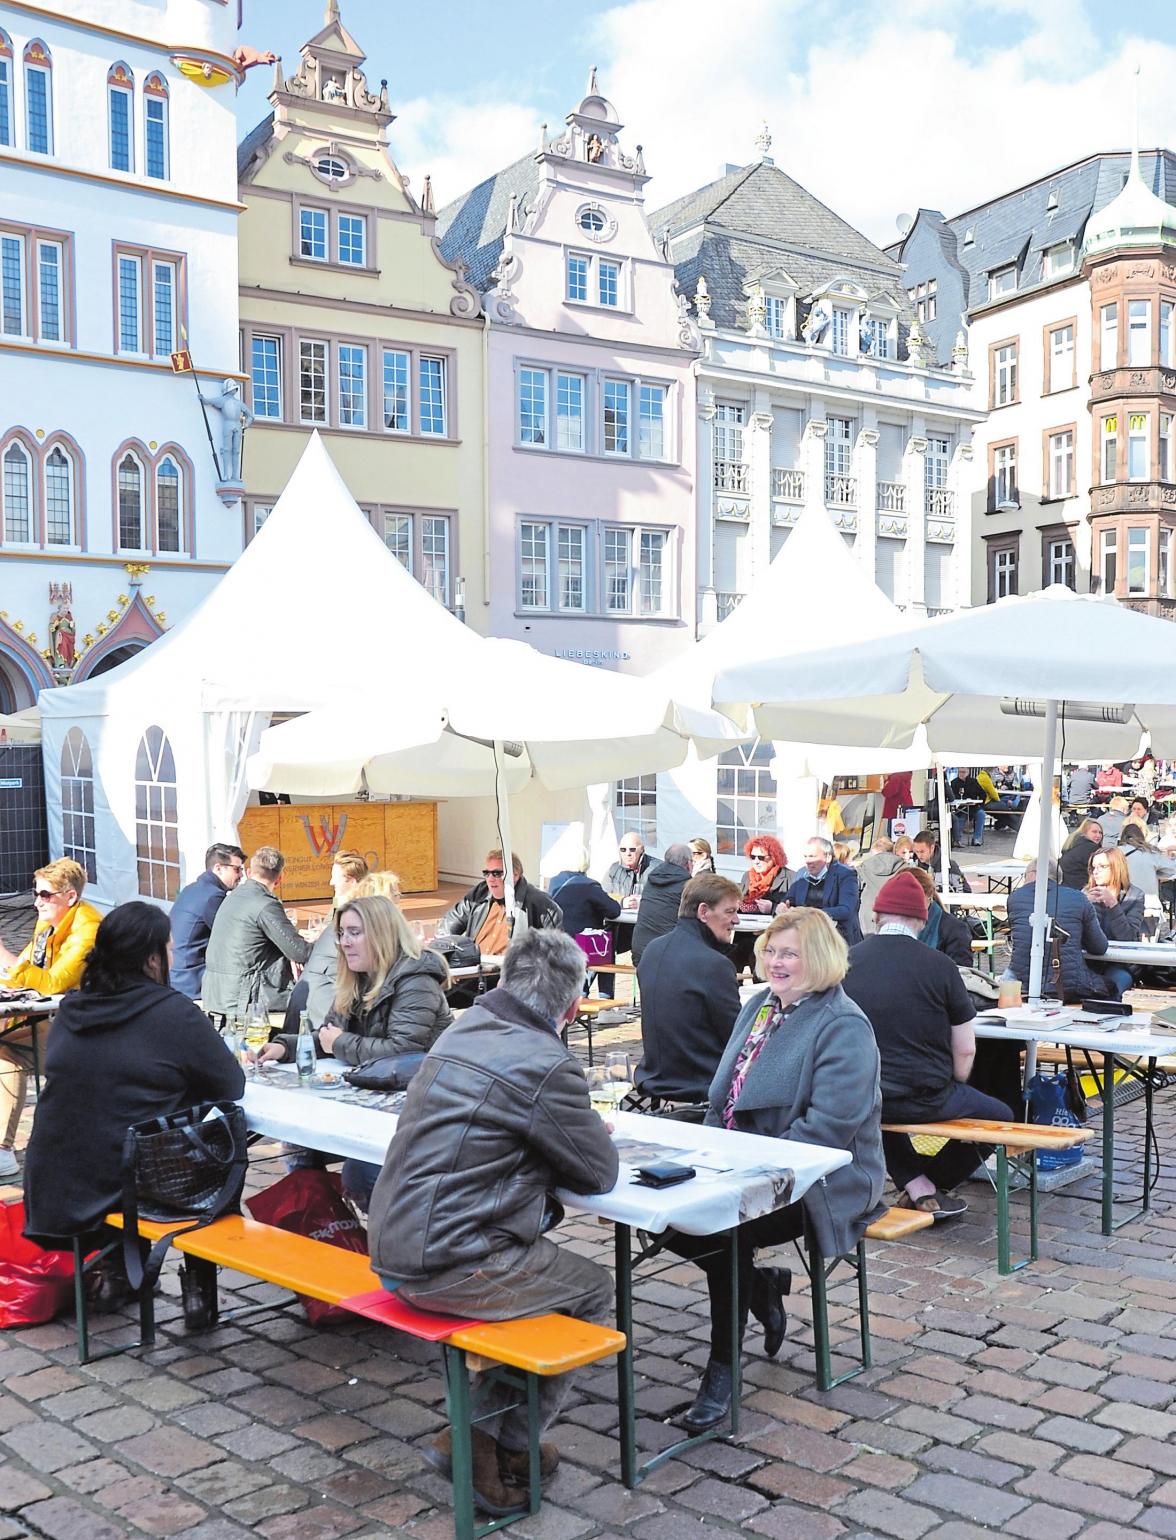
x,y
840,490
788,485
726,604
940,503
731,475
891,497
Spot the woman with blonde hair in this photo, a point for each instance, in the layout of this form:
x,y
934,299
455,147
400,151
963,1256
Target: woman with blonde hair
x,y
1086,839
1118,904
379,884
801,1064
702,857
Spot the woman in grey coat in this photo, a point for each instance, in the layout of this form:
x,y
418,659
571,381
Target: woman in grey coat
x,y
801,1064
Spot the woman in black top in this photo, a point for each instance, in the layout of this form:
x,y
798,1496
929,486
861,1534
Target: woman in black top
x,y
1086,839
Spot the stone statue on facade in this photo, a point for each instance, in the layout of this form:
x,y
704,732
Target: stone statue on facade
x,y
63,633
818,323
235,418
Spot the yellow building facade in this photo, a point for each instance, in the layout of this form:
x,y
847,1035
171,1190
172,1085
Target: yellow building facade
x,y
352,323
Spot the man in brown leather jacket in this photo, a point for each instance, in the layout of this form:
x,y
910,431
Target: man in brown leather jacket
x,y
495,1120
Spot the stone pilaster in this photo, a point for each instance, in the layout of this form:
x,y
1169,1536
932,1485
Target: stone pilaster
x,y
704,492
959,481
759,456
812,458
865,470
914,478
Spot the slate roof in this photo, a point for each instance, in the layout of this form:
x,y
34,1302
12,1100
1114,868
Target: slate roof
x,y
253,141
471,228
756,219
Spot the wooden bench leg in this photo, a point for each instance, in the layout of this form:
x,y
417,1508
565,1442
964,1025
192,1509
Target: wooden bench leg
x,y
82,1308
820,1269
457,1402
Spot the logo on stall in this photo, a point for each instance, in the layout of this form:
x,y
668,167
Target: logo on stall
x,y
325,840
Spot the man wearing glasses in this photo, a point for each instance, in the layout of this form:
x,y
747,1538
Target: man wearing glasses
x,y
626,877
194,911
481,913
51,963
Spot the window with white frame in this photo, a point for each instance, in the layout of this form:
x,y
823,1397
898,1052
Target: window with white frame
x,y
120,101
6,133
431,377
42,315
651,421
1005,374
1004,476
839,446
1057,260
130,304
1060,561
131,531
935,462
352,372
156,146
157,824
618,571
775,315
1003,280
265,370
745,796
51,291
635,807
1137,561
163,308
169,505
1061,464
149,287
532,392
569,411
15,320
1109,448
534,561
1139,333
1167,335
397,406
876,335
553,566
60,497
1061,357
312,234
1138,467
1165,457
1004,572
839,331
576,287
617,403
332,169
730,417
434,569
38,84
18,495
398,537
571,592
351,237
923,298
422,544
312,380
608,282
592,279
77,803
651,572
1108,560
592,220
1108,336
261,512
1164,567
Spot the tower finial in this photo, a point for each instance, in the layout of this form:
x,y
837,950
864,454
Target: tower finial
x,y
1135,171
763,143
332,12
591,91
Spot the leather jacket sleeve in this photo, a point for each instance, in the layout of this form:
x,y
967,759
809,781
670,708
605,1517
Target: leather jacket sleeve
x,y
571,1137
456,921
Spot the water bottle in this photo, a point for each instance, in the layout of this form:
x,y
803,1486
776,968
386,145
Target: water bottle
x,y
305,1054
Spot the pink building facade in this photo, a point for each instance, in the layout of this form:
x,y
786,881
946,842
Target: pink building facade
x,y
590,392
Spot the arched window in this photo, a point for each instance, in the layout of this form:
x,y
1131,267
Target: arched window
x,y
169,505
131,535
156,149
120,100
77,803
18,495
60,498
38,80
157,840
7,133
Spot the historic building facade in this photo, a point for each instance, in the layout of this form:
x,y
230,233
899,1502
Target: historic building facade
x,y
117,249
590,401
1067,288
354,324
815,390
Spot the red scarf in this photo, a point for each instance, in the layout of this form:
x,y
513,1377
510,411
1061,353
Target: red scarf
x,y
759,880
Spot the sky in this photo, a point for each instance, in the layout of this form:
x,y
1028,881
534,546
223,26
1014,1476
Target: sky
x,y
878,109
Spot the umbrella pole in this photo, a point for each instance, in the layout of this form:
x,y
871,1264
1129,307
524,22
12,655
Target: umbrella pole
x,y
944,830
502,808
1044,855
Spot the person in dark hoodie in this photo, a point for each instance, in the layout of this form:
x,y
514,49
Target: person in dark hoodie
x,y
389,1004
124,1047
661,897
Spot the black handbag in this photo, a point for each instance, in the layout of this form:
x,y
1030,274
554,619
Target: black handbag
x,y
458,951
187,1166
390,1073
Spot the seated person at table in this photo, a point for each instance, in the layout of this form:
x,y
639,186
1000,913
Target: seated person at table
x,y
767,879
253,945
703,856
389,1005
1085,841
801,1064
51,963
929,856
584,903
195,909
481,913
625,878
689,995
125,1047
827,884
944,931
919,1008
1146,863
1075,931
314,992
1080,786
661,898
1108,777
1139,810
1112,821
873,870
498,1118
998,810
1118,905
965,786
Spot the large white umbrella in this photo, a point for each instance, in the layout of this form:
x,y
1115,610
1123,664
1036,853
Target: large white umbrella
x,y
1004,680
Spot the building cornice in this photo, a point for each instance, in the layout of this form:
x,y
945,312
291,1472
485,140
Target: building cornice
x,y
125,184
113,360
618,344
339,302
359,435
80,24
753,379
990,307
111,559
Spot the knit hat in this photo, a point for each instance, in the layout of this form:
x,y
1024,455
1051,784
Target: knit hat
x,y
902,894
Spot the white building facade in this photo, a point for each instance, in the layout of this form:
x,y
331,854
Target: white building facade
x,y
118,249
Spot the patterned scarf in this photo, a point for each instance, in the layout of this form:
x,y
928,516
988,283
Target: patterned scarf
x,y
759,881
768,1018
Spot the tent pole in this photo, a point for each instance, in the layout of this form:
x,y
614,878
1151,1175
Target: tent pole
x,y
1044,854
502,802
944,830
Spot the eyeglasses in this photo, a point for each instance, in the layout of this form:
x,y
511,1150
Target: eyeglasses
x,y
629,850
45,894
493,873
755,857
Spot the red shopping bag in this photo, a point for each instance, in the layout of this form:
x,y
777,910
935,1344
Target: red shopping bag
x,y
35,1285
310,1202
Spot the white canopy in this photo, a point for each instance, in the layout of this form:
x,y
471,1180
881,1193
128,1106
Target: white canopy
x,y
21,726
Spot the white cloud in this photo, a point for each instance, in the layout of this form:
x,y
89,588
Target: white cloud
x,y
458,142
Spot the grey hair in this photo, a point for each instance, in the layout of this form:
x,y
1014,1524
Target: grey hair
x,y
267,863
545,970
819,839
679,855
1053,872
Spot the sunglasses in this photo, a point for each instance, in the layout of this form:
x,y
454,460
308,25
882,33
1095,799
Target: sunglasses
x,y
629,850
497,872
761,858
45,893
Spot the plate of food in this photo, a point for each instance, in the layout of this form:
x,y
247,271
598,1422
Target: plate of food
x,y
328,1080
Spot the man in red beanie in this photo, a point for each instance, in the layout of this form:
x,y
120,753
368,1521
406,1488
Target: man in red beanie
x,y
922,1020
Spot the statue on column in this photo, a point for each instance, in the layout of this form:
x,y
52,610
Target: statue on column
x,y
818,323
63,633
235,418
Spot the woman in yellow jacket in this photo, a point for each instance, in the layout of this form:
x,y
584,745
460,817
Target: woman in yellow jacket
x,y
51,963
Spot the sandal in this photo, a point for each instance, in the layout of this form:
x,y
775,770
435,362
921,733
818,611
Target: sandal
x,y
940,1205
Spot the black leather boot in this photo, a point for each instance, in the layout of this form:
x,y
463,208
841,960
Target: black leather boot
x,y
713,1401
769,1285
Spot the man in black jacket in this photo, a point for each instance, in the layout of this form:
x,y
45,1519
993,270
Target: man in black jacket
x,y
661,897
495,1120
195,909
481,913
689,993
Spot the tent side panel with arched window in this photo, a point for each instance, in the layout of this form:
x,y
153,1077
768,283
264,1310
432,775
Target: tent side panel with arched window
x,y
157,825
77,803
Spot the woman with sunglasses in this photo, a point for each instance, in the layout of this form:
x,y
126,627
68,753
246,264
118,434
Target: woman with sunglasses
x,y
766,882
52,963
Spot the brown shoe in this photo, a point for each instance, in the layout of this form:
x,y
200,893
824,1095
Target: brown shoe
x,y
514,1465
491,1494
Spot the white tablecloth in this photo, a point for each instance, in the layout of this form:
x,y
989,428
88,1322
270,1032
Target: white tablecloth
x,y
740,1176
1131,1036
1141,954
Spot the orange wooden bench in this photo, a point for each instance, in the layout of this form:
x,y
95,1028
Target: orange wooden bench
x,y
896,1223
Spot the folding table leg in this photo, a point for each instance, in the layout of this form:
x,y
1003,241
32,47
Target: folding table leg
x,y
622,1247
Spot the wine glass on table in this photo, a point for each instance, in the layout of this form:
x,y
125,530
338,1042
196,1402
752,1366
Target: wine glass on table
x,y
618,1074
257,1030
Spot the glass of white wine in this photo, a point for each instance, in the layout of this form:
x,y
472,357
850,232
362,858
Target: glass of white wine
x,y
618,1074
600,1092
257,1029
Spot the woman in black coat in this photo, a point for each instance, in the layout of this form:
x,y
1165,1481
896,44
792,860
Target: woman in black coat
x,y
1085,841
124,1047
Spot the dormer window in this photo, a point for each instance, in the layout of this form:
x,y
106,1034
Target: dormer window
x,y
775,315
330,169
969,237
1057,260
1051,202
876,337
1002,280
840,331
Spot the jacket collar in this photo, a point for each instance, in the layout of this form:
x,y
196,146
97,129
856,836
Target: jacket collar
x,y
692,924
504,1006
